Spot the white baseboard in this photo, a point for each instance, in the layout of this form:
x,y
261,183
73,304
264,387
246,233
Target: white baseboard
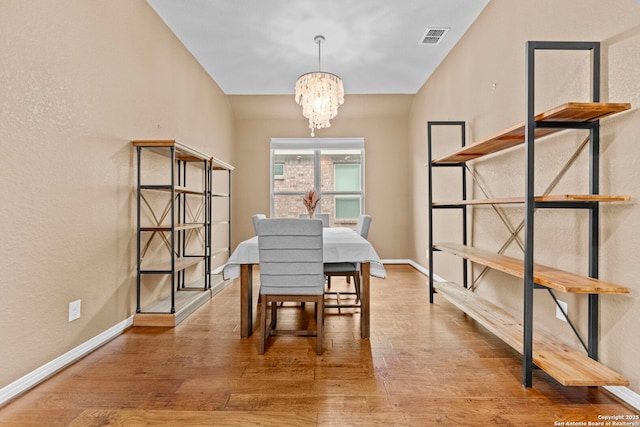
x,y
34,378
625,394
415,265
216,289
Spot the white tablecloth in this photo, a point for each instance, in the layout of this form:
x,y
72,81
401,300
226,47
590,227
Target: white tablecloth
x,y
340,245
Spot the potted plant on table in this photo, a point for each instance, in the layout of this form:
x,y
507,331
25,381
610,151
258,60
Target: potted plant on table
x,y
310,201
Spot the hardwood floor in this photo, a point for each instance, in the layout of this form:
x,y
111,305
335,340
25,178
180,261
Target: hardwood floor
x,y
425,365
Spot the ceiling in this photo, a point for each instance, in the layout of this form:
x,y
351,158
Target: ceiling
x,y
260,47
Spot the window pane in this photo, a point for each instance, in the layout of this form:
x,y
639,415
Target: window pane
x,y
297,168
347,177
288,206
278,171
343,162
347,207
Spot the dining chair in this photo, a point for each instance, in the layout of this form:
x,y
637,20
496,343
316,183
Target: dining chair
x,y
256,218
364,223
348,269
321,216
291,269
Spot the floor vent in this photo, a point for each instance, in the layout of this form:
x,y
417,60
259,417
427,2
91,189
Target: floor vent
x,y
433,36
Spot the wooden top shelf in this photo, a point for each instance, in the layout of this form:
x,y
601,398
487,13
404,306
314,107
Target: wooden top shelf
x,y
542,275
577,112
541,199
217,164
183,152
569,367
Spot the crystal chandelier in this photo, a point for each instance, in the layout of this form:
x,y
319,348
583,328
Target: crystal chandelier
x,y
320,94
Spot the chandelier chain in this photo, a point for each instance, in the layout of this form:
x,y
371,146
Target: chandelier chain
x,y
319,53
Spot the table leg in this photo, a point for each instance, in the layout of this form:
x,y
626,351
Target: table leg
x,y
365,270
246,300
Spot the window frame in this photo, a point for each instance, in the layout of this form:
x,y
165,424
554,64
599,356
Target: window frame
x,y
317,145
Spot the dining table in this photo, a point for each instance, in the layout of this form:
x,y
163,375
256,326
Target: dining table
x,y
340,244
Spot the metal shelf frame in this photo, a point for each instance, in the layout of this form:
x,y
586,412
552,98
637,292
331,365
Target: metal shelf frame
x,y
530,203
461,207
217,165
177,210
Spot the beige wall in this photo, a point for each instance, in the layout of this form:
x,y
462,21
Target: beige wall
x,y
77,82
380,119
482,83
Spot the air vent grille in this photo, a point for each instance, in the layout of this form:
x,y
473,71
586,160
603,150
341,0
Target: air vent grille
x,y
433,35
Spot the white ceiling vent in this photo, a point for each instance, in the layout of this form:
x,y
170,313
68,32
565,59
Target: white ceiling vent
x,y
433,35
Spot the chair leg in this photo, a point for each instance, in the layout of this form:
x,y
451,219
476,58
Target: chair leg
x,y
319,323
270,303
265,327
274,315
356,283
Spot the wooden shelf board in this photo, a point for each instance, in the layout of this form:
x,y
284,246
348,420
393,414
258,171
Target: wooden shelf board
x,y
546,276
183,152
167,189
180,264
215,194
186,190
569,367
186,301
179,227
553,198
582,112
217,164
578,112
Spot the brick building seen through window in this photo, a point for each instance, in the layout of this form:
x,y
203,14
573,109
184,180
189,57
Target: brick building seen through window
x,y
336,173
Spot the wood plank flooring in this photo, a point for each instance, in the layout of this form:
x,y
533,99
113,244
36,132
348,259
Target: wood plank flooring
x,y
425,365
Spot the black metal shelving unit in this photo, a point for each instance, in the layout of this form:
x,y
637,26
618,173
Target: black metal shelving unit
x,y
568,116
461,207
217,166
175,224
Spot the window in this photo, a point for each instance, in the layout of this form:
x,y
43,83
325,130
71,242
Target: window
x,y
347,208
334,167
347,179
278,171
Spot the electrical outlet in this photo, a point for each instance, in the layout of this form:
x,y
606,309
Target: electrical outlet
x,y
565,307
74,310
